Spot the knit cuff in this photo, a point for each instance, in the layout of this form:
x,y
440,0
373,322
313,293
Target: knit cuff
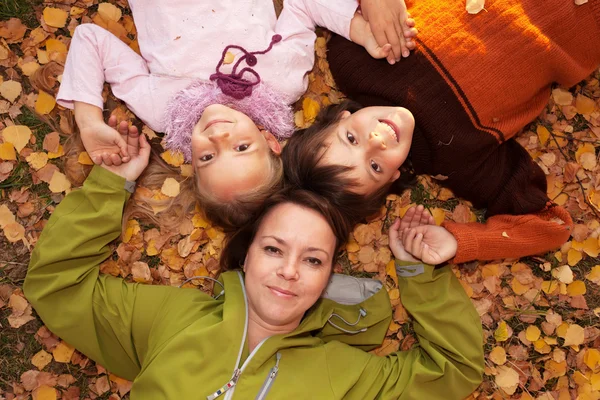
x,y
466,238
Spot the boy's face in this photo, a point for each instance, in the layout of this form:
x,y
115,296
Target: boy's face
x,y
230,153
374,141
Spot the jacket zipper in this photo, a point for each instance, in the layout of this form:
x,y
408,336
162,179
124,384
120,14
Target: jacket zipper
x,y
266,387
237,371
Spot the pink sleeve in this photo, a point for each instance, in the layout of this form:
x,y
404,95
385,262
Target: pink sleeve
x,y
304,15
97,56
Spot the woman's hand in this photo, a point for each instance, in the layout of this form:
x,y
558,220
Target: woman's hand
x,y
138,149
390,23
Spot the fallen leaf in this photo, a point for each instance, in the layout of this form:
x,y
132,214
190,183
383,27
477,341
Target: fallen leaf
x,y
55,17
7,217
10,90
310,109
501,334
498,355
170,187
37,160
7,151
562,97
141,272
573,257
574,335
593,275
44,393
62,353
584,104
507,379
59,183
41,359
109,12
51,142
14,232
533,333
84,158
229,58
18,135
475,6
44,103
577,288
563,274
173,158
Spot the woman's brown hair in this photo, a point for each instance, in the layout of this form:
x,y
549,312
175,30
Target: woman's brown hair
x,y
302,169
238,242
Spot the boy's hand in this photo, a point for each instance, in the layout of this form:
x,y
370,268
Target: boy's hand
x,y
390,23
138,149
104,144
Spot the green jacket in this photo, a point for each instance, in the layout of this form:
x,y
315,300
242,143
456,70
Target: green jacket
x,y
184,344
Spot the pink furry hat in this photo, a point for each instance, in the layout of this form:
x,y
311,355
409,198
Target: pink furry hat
x,y
264,106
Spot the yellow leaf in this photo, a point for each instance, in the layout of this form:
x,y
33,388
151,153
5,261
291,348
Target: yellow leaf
x,y
439,215
584,104
151,249
573,257
42,56
574,335
588,161
37,160
501,333
170,187
109,12
594,275
76,11
562,97
592,359
10,90
59,153
199,222
44,103
55,17
533,333
390,270
584,148
29,68
541,346
518,287
475,6
7,151
549,287
14,232
507,379
187,170
44,392
561,330
18,135
6,217
41,359
56,46
59,183
132,228
590,247
84,158
543,134
173,158
498,355
229,57
563,274
576,288
63,352
310,109
352,246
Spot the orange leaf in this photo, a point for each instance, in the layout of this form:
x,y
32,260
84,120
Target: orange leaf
x,y
7,151
594,275
63,352
573,257
173,158
310,109
84,158
576,288
41,359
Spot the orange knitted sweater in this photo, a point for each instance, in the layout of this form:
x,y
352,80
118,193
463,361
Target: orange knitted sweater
x,y
472,83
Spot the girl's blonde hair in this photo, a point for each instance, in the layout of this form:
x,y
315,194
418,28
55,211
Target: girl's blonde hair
x,y
226,215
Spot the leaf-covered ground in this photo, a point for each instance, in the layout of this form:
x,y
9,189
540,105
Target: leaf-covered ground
x,y
540,314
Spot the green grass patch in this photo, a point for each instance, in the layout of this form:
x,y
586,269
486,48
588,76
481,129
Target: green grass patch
x,y
22,9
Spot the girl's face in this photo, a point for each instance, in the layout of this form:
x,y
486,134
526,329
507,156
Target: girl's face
x,y
230,153
374,141
288,265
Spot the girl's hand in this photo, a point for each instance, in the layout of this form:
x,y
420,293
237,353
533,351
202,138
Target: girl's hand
x,y
416,216
104,144
390,23
137,147
430,243
396,244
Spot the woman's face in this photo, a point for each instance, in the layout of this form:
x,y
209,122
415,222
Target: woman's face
x,y
374,141
230,154
288,265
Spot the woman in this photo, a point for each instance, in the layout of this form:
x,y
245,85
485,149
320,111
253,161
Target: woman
x,y
217,77
472,83
269,330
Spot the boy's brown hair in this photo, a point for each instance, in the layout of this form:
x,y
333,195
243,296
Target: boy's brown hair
x,y
302,169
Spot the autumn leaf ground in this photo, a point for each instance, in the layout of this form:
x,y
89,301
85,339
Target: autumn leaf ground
x,y
540,314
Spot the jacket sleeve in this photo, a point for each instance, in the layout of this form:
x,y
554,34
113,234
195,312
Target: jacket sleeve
x,y
512,236
448,361
105,318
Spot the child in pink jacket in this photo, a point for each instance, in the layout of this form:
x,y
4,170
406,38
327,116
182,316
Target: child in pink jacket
x,y
217,78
